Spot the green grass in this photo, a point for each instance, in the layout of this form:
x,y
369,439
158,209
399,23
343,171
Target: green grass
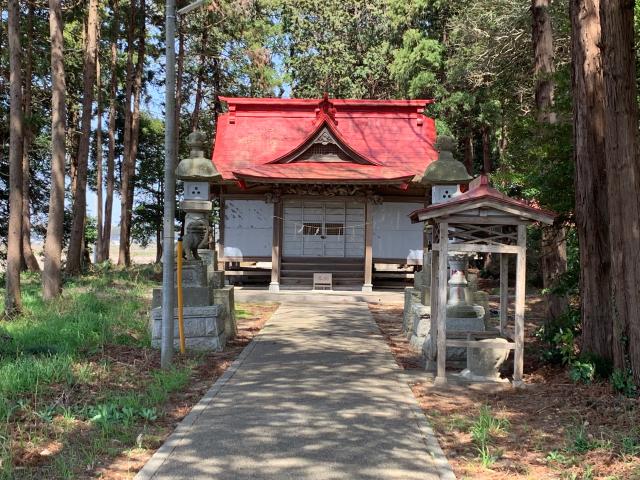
x,y
53,346
43,344
483,430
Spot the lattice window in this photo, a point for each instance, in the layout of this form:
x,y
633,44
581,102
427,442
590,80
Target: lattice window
x,y
328,152
334,229
312,229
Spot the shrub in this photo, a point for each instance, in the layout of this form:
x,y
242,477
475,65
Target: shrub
x,y
622,382
582,372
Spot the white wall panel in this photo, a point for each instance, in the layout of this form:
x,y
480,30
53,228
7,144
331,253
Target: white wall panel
x,y
248,228
394,236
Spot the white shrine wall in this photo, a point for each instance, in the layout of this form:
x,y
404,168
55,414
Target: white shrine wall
x,y
394,236
248,229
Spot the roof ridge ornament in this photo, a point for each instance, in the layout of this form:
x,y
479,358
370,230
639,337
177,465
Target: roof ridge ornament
x,y
326,109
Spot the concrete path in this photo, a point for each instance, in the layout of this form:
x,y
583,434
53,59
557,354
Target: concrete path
x,y
316,396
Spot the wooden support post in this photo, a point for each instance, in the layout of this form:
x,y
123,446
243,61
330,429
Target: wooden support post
x,y
276,249
368,248
443,232
431,353
504,291
521,266
220,246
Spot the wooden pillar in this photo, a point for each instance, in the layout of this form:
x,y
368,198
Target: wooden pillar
x,y
521,266
443,232
276,247
431,357
368,248
504,291
220,245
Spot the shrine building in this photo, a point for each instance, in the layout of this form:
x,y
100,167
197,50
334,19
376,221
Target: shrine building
x,y
322,186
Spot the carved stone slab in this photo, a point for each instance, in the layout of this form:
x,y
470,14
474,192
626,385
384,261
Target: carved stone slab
x,y
194,274
203,327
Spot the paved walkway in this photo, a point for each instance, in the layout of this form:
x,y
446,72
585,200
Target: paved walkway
x,y
317,396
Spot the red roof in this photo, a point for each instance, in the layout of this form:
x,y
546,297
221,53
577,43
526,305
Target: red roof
x,y
257,140
480,191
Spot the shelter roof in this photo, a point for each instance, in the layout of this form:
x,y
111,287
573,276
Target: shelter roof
x,y
264,140
482,196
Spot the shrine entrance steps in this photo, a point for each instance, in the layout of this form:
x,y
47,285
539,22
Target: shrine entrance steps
x,y
298,271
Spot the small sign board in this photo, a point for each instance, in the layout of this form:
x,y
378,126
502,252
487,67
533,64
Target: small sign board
x,y
322,281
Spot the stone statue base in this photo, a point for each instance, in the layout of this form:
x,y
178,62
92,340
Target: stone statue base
x,y
208,306
203,328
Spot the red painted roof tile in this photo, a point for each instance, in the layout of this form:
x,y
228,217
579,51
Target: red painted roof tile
x,y
479,190
392,135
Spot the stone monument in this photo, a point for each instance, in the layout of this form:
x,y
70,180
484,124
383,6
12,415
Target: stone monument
x,y
208,305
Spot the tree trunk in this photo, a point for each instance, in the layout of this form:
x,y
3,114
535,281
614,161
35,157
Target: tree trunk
x,y
217,89
73,138
111,155
197,104
14,251
158,245
592,216
99,225
135,129
28,257
542,36
623,178
554,247
125,175
76,244
179,75
51,278
487,164
468,153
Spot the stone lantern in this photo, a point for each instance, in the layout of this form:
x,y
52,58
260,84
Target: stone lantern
x,y
198,173
208,305
445,174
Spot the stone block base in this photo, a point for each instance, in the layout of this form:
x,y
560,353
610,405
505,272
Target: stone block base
x,y
216,278
225,298
462,324
191,297
421,325
203,328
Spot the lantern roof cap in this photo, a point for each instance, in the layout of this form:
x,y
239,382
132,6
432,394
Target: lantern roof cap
x,y
446,170
197,167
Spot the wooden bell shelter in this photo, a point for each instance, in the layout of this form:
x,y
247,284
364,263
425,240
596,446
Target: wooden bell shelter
x,y
481,220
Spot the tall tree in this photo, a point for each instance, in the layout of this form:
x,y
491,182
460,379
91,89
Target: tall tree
x,y
29,259
16,119
99,114
554,247
542,39
76,244
623,178
591,206
111,153
133,91
51,275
